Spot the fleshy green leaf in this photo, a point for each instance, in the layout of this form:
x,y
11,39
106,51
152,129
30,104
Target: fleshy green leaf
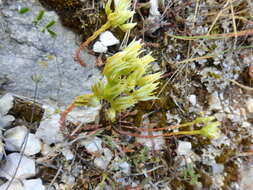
x,y
23,10
52,33
51,23
39,17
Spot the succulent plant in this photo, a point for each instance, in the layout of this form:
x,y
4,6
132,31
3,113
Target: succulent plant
x,y
126,82
120,14
209,129
115,18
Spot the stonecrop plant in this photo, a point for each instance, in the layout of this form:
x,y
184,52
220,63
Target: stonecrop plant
x,y
209,129
115,18
127,81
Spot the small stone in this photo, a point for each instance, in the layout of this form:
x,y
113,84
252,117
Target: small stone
x,y
214,102
107,154
26,168
249,104
6,120
49,130
15,185
6,103
67,153
184,148
103,161
98,47
31,44
193,99
46,149
92,145
217,168
122,166
87,115
100,163
108,39
33,184
68,179
15,140
156,67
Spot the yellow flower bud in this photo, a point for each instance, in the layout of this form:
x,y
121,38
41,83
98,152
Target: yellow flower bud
x,y
120,14
211,130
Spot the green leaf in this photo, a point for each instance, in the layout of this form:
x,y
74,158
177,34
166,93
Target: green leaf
x,y
52,33
39,17
51,23
23,10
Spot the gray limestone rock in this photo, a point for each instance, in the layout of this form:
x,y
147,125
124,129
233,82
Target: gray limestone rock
x,y
26,51
1,147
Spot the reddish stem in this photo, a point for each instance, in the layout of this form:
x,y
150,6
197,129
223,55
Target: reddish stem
x,y
64,116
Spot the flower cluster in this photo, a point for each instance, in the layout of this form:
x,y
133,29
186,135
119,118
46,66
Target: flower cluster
x,y
126,81
210,128
120,14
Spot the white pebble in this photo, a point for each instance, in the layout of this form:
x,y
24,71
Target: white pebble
x,y
67,153
184,148
6,103
249,104
26,168
86,115
33,184
103,161
122,166
15,140
100,163
46,150
49,130
108,39
214,102
15,185
6,120
92,145
193,99
98,47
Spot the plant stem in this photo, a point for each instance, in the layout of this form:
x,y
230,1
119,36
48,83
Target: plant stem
x,y
64,116
87,42
196,132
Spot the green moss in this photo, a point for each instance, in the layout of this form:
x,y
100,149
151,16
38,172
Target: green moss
x,y
77,15
59,5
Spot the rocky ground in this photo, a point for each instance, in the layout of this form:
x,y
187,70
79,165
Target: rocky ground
x,y
204,49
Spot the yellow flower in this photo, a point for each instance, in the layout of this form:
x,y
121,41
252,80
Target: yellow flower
x,y
211,130
120,14
126,81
